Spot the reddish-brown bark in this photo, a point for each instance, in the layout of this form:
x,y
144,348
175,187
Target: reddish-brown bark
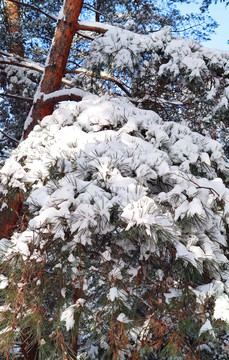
x,y
10,215
57,60
51,81
14,26
98,4
29,348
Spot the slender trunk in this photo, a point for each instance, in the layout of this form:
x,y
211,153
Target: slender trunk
x,y
14,26
56,62
97,7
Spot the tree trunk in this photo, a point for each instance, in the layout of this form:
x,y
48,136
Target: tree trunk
x,y
50,82
56,62
97,7
14,26
10,215
29,348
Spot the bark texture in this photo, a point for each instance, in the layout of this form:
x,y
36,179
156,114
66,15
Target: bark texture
x,y
51,82
56,62
10,215
14,26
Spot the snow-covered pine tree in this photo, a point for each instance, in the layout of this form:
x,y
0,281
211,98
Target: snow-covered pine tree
x,y
19,79
122,250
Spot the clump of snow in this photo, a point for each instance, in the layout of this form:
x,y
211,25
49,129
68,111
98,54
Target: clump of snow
x,y
206,327
68,314
221,310
123,318
3,281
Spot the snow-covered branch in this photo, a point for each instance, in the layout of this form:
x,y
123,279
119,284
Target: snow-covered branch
x,y
65,95
94,26
9,59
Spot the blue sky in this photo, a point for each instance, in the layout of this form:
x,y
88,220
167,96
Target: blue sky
x,y
220,13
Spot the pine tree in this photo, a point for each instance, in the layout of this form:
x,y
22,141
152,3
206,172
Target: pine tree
x,y
114,213
37,25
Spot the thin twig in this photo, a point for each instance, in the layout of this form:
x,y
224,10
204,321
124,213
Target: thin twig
x,y
89,7
101,76
9,137
30,100
188,28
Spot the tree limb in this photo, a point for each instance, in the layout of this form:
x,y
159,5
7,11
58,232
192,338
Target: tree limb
x,y
16,97
64,95
85,36
93,26
40,68
28,64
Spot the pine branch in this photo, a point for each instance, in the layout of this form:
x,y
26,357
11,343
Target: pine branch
x,y
64,95
28,64
85,36
40,68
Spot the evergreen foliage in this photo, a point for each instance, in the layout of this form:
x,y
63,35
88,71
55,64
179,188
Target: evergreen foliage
x,y
38,21
123,246
120,250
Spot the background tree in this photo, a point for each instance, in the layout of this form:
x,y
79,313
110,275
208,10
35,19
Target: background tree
x,y
119,219
37,25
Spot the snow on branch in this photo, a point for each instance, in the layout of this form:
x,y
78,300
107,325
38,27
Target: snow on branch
x,y
9,59
65,95
94,27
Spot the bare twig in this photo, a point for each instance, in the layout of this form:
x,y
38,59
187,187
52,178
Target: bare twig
x,y
30,100
213,191
9,137
102,76
89,7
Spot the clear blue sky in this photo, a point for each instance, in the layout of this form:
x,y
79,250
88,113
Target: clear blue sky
x,y
220,13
